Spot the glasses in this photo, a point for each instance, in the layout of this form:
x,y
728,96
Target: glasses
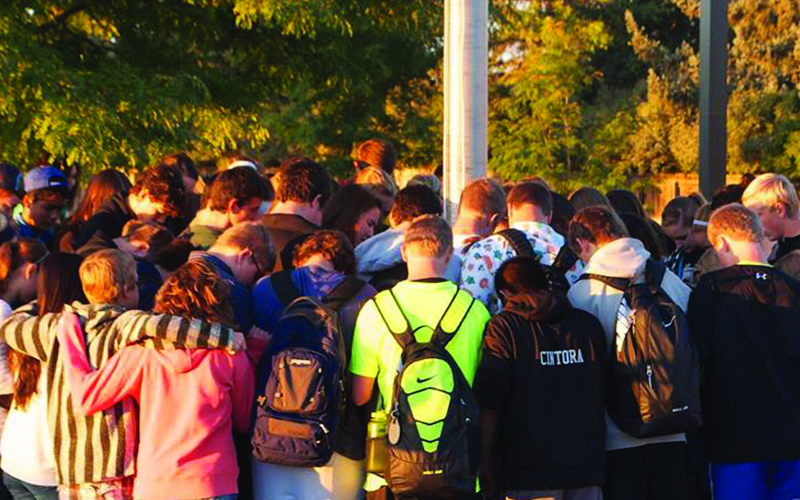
x,y
259,271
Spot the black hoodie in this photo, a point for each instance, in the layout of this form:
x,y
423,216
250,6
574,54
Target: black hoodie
x,y
543,369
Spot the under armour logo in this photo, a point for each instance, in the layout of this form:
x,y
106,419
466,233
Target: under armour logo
x,y
761,276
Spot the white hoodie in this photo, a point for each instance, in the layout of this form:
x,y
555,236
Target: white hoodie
x,y
622,258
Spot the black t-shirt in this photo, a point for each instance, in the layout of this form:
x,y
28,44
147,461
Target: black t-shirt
x,y
744,320
785,245
543,368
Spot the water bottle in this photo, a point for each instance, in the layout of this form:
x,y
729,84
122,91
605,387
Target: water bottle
x,y
377,444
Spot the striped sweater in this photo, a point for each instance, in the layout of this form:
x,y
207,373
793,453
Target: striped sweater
x,y
102,446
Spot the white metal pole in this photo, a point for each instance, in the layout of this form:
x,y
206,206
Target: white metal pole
x,y
466,97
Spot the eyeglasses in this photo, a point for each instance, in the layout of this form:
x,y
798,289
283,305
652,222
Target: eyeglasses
x,y
258,266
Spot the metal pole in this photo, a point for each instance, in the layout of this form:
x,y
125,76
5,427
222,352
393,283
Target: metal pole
x,y
466,97
713,94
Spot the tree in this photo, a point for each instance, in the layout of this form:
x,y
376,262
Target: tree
x,y
122,83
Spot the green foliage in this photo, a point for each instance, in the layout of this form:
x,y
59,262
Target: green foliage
x,y
122,83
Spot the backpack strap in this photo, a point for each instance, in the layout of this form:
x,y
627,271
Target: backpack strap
x,y
440,336
654,272
518,241
564,261
343,292
615,283
284,287
404,338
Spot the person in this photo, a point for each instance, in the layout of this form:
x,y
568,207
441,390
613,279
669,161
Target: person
x,y
237,195
322,262
481,207
774,199
379,258
240,256
302,192
588,197
677,220
193,186
205,392
108,279
354,211
102,187
380,184
11,187
376,153
157,194
26,447
427,180
709,261
530,206
743,320
540,387
144,241
624,201
639,229
636,469
423,298
39,216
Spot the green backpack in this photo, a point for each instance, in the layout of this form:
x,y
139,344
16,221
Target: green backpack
x,y
434,431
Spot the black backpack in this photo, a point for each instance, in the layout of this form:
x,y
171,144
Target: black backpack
x,y
433,448
654,387
555,272
301,385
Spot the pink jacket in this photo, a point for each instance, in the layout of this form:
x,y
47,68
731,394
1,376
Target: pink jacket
x,y
188,401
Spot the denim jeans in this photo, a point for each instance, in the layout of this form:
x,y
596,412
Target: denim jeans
x,y
20,490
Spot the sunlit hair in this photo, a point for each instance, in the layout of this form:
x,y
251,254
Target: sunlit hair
x,y
736,222
149,233
680,211
412,202
302,180
102,186
531,193
426,180
346,207
483,196
428,236
163,184
106,274
195,291
598,225
14,254
376,180
770,190
333,246
586,197
377,153
252,236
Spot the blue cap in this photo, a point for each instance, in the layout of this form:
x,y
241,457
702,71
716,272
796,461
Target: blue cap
x,y
44,177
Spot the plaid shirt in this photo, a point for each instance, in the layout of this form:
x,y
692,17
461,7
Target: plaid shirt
x,y
483,258
102,446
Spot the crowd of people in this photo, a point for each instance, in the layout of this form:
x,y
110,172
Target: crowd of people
x,y
287,335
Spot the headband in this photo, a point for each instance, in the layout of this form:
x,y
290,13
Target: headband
x,y
243,163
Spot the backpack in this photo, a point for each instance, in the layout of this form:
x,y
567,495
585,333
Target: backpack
x,y
654,387
434,429
555,272
301,393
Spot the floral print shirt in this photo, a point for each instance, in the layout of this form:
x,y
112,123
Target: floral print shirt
x,y
482,260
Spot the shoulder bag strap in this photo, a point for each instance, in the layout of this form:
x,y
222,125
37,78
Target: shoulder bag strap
x,y
615,283
284,287
565,259
404,338
440,336
343,292
519,242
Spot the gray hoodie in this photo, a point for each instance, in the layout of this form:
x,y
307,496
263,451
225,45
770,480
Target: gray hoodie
x,y
622,258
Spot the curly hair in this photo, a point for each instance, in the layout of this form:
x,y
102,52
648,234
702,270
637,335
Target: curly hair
x,y
195,291
302,180
413,201
164,185
333,246
240,184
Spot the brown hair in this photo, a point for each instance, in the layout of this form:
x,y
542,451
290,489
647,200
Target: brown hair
x,y
106,274
681,211
598,225
377,153
57,284
13,254
586,197
302,180
195,291
333,246
531,193
241,184
150,233
102,186
345,207
412,202
253,236
736,222
484,196
429,236
164,185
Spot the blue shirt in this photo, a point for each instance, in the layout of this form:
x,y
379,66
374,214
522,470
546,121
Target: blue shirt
x,y
240,294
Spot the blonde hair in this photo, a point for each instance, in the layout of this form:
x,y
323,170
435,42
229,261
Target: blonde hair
x,y
735,222
106,274
429,236
769,191
374,178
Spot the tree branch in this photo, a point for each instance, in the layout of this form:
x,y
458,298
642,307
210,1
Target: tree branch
x,y
77,7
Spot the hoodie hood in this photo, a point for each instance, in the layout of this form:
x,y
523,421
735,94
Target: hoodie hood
x,y
380,252
539,306
181,360
622,258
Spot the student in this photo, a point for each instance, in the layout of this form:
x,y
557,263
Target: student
x,y
481,207
774,199
380,184
45,198
157,194
205,393
322,262
379,258
354,211
540,387
530,206
376,153
677,220
240,256
29,467
108,279
636,469
302,192
424,297
237,195
744,321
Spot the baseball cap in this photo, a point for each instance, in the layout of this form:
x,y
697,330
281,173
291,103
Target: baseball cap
x,y
44,177
10,178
